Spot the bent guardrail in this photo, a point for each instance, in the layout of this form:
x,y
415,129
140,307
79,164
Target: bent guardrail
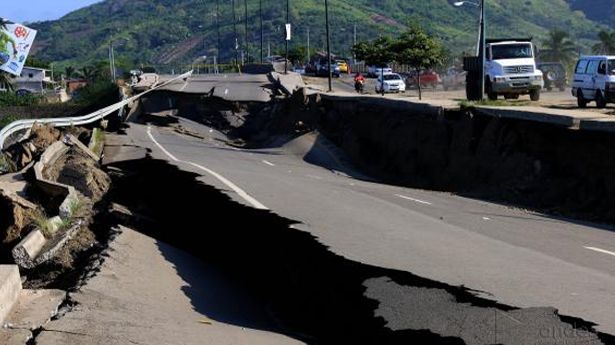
x,y
19,125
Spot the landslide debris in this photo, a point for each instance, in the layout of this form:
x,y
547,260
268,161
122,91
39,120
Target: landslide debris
x,y
77,169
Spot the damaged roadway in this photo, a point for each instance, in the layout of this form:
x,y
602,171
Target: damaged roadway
x,y
378,236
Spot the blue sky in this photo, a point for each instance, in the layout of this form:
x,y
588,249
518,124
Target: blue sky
x,y
37,10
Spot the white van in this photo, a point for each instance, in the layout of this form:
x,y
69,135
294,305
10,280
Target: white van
x,y
594,80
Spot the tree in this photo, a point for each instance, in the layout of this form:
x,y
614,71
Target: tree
x,y
417,49
37,63
6,81
69,71
607,43
559,47
88,73
375,53
297,54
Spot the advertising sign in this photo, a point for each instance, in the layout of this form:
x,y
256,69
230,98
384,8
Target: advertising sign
x,y
15,43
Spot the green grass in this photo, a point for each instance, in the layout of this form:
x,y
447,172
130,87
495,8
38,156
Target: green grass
x,y
489,103
5,120
6,165
98,141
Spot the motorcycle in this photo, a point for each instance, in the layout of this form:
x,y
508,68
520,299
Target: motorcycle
x,y
359,85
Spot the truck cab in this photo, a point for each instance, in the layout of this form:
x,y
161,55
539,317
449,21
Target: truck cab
x,y
510,70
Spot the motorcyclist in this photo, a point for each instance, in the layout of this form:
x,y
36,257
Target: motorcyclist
x,y
359,80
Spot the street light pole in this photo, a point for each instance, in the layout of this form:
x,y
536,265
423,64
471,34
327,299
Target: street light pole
x,y
260,11
247,44
287,34
328,44
235,33
483,50
218,29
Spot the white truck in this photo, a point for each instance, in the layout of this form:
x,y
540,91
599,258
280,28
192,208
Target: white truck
x,y
510,70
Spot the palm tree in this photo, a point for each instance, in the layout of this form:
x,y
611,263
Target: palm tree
x,y
6,81
70,71
559,47
607,43
88,73
3,23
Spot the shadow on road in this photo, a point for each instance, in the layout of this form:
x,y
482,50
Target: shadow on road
x,y
265,274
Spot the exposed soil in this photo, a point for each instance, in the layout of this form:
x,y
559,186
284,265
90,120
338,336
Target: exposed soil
x,y
22,153
77,169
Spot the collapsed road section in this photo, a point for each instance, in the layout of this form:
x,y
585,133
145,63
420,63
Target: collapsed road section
x,y
291,274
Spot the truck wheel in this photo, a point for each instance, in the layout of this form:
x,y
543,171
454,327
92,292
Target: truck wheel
x,y
493,96
535,95
600,101
581,101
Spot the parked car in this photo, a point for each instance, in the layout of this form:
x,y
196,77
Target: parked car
x,y
392,82
454,79
554,75
322,69
594,80
343,65
428,79
376,70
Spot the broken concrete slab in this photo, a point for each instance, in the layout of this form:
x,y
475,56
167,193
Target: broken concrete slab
x,y
26,251
115,308
73,141
34,309
10,289
289,83
120,148
15,336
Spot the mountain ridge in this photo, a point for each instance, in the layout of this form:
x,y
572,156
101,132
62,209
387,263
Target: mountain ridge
x,y
173,32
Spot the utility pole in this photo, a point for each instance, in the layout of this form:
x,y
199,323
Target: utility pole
x,y
328,44
482,49
354,42
308,44
235,33
260,11
247,44
110,59
218,29
287,34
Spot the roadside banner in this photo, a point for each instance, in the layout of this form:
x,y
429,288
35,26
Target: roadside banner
x,y
15,43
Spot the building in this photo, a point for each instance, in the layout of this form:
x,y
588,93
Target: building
x,y
73,85
34,80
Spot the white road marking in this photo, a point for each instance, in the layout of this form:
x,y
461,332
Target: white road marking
x,y
600,250
413,199
243,194
268,163
183,87
486,218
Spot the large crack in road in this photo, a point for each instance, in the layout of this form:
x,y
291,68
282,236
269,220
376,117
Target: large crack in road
x,y
306,291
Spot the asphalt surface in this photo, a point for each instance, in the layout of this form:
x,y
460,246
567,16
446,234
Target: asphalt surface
x,y
232,87
511,256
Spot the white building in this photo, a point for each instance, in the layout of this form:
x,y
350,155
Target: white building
x,y
35,80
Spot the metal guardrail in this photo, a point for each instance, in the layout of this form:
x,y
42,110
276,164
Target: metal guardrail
x,y
19,125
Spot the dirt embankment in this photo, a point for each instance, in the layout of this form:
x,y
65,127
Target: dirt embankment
x,y
525,163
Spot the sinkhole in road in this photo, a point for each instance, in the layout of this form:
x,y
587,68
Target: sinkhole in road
x,y
302,288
